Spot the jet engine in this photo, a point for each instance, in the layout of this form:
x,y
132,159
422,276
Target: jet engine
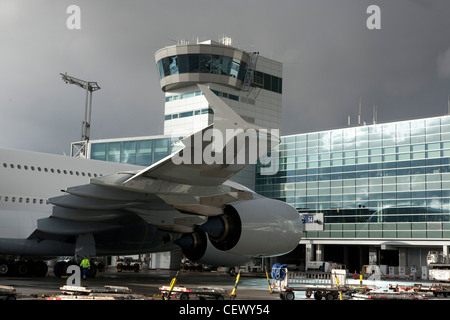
x,y
197,247
250,228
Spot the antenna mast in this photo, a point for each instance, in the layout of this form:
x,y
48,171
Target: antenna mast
x,y
359,112
374,117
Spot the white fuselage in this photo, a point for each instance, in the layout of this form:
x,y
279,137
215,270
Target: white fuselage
x,y
29,179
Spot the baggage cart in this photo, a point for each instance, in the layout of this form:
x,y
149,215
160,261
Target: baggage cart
x,y
320,284
184,293
7,293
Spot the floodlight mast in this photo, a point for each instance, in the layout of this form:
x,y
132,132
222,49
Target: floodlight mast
x,y
79,148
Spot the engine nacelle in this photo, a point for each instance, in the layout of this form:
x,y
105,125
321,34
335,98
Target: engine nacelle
x,y
256,228
197,247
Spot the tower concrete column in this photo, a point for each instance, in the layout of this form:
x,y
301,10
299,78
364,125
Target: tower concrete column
x,y
309,252
402,259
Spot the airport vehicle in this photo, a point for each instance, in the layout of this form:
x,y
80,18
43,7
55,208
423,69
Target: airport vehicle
x,y
328,285
96,293
53,205
8,293
184,293
436,289
253,266
323,266
439,265
128,264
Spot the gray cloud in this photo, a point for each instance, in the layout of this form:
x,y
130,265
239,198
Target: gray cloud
x,y
330,60
443,64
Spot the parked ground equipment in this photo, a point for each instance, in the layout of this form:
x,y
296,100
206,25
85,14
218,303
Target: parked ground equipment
x,y
320,284
439,264
185,293
128,264
96,293
7,293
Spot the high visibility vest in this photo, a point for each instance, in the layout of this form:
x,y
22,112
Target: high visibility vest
x,y
85,263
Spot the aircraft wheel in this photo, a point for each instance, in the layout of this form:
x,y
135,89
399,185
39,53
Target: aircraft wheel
x,y
66,265
21,268
40,269
5,268
58,269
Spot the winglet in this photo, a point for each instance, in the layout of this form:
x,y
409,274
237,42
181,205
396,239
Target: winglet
x,y
182,166
226,118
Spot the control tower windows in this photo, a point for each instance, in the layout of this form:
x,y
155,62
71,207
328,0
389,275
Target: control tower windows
x,y
202,63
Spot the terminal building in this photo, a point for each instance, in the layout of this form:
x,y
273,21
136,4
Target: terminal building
x,y
374,194
379,194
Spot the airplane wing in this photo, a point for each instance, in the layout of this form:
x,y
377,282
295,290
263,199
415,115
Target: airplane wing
x,y
175,194
190,165
192,179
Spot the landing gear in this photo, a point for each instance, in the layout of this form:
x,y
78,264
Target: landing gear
x,y
40,269
60,269
21,268
5,268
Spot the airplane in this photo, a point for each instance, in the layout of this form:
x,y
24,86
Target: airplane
x,y
54,206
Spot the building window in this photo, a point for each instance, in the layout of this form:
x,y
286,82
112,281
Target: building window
x,y
395,186
202,63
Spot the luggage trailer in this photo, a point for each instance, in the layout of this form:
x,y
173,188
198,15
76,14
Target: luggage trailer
x,y
320,284
184,293
8,293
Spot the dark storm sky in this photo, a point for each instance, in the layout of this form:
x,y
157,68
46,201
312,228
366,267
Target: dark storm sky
x,y
331,60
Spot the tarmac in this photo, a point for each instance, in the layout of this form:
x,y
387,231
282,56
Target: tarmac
x,y
144,282
253,298
147,283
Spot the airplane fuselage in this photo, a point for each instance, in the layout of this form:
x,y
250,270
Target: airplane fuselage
x,y
29,179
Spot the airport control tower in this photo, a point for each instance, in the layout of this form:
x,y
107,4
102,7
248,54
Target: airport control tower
x,y
248,82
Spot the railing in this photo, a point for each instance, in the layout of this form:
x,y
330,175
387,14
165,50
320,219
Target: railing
x,y
283,279
309,277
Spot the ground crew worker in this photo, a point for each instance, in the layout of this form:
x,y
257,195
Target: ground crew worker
x,y
85,265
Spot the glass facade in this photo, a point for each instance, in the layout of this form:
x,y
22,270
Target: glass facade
x,y
188,114
215,64
379,181
202,63
268,82
138,152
